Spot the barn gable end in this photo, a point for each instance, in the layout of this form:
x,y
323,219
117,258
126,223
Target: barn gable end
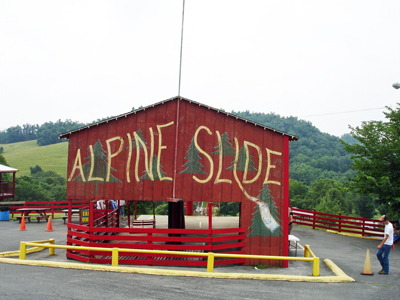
x,y
181,149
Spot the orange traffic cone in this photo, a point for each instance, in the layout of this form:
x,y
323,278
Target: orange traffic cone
x,y
22,227
49,228
367,265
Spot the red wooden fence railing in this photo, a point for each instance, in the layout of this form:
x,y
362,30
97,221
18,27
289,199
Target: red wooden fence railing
x,y
54,206
228,240
105,232
362,226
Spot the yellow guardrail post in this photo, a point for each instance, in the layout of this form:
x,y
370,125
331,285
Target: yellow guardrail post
x,y
306,251
210,262
22,250
114,258
51,249
315,266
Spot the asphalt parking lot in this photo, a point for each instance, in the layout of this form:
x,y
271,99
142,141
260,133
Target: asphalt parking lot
x,y
348,253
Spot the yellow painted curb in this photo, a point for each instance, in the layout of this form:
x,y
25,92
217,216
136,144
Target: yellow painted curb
x,y
337,271
352,235
16,253
167,272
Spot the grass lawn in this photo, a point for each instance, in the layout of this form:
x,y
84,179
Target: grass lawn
x,y
24,155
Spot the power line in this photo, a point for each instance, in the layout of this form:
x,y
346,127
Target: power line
x,y
340,113
180,60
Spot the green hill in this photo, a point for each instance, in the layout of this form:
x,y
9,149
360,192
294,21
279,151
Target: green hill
x,y
24,155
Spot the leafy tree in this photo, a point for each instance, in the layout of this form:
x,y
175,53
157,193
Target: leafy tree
x,y
161,208
28,189
48,132
6,176
327,191
17,134
364,206
49,177
133,108
143,207
349,139
376,159
333,202
304,173
35,169
41,186
14,134
3,160
297,192
229,208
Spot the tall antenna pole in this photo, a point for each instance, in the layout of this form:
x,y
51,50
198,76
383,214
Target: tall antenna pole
x,y
180,62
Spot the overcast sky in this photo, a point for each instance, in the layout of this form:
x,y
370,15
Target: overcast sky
x,y
328,62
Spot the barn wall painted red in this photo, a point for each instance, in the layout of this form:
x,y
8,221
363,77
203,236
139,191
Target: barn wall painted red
x,y
185,150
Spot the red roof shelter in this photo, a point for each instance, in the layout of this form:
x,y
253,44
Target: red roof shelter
x,y
180,151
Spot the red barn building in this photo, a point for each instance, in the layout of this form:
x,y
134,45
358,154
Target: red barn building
x,y
180,151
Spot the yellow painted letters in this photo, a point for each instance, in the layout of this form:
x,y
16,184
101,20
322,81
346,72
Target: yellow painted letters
x,y
205,154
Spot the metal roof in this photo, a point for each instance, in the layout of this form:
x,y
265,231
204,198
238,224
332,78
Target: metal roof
x,y
66,134
7,169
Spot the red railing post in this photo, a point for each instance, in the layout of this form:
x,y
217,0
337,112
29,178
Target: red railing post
x,y
150,242
340,222
363,226
314,216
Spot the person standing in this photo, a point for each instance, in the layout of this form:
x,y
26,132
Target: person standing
x,y
122,205
385,246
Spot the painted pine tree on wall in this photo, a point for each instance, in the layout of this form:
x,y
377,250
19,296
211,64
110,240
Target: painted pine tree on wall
x,y
153,171
141,137
193,165
241,164
226,145
259,227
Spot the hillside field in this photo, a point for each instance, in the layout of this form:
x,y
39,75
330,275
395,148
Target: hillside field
x,y
24,155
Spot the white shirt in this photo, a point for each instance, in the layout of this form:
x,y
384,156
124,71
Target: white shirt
x,y
100,204
389,232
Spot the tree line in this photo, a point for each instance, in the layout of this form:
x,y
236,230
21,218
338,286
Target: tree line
x,y
45,134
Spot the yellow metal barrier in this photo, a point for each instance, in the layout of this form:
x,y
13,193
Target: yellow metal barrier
x,y
22,247
307,253
210,255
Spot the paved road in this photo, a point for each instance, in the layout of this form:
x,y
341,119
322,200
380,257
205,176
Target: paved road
x,y
30,282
